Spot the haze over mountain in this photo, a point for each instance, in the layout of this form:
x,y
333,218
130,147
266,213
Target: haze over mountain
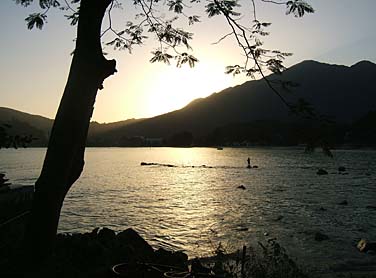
x,y
344,93
21,123
26,124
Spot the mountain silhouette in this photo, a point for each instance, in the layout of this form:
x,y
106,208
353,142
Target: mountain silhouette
x,y
24,124
21,123
345,93
342,92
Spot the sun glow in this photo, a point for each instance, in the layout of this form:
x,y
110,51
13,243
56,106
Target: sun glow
x,y
174,87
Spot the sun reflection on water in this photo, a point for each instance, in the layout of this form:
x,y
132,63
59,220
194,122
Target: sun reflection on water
x,y
195,208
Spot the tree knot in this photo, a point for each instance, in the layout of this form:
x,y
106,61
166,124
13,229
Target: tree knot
x,y
108,68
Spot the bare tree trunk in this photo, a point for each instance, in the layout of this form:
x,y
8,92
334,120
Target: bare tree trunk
x,y
64,160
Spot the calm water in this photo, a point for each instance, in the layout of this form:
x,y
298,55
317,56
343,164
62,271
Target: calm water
x,y
195,208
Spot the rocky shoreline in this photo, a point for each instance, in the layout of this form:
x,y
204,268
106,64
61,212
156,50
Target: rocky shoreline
x,y
105,253
96,253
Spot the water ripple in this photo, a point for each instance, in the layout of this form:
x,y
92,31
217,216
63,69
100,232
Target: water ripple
x,y
193,208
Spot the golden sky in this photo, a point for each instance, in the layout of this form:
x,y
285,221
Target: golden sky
x,y
35,63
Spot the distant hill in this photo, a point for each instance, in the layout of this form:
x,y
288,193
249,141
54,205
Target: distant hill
x,y
22,123
345,93
98,133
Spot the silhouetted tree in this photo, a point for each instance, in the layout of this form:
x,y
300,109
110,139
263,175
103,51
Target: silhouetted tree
x,y
64,159
13,141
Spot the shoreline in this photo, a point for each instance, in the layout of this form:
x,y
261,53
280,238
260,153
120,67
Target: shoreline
x,y
95,253
294,147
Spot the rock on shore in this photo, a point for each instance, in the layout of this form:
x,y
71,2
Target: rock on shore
x,y
93,254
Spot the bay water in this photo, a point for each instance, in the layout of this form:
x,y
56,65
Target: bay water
x,y
190,199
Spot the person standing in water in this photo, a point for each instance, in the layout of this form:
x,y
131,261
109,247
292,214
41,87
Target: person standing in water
x,y
249,162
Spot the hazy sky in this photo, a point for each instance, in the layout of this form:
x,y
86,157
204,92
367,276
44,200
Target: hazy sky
x,y
34,64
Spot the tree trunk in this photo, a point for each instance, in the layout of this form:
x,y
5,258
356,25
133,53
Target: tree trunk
x,y
64,160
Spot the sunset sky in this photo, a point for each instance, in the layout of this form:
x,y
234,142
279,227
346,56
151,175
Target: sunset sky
x,y
35,64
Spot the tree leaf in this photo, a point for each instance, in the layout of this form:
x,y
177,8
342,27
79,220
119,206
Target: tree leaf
x,y
36,19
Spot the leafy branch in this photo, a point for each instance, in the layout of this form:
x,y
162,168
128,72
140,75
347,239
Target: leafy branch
x,y
174,43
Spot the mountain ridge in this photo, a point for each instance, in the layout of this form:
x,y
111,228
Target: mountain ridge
x,y
342,92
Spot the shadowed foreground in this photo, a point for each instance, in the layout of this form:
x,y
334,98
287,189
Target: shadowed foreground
x,y
96,253
105,253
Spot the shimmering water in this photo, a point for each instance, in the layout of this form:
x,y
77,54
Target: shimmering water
x,y
194,208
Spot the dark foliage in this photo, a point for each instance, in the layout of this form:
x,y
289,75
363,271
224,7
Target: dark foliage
x,y
181,139
13,141
363,131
